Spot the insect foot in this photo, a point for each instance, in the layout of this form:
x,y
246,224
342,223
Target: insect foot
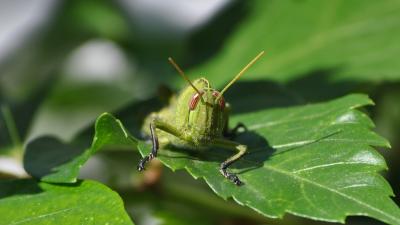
x,y
142,163
230,176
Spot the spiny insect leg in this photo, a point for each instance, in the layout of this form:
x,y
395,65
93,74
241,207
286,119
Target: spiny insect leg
x,y
224,166
154,149
164,126
154,140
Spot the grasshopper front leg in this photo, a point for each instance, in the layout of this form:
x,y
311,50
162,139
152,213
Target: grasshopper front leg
x,y
233,132
154,149
162,125
241,150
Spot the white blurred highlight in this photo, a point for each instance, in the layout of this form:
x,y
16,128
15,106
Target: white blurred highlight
x,y
160,16
19,19
12,166
98,60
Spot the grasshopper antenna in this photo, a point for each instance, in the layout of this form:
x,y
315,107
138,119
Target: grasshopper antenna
x,y
183,74
239,74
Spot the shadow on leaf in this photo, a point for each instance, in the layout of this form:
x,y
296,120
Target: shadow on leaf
x,y
44,155
18,187
315,86
258,152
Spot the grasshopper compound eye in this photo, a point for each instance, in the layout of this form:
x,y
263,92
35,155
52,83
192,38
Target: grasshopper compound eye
x,y
221,100
194,100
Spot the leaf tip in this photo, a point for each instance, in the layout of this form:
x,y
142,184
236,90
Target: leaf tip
x,y
387,144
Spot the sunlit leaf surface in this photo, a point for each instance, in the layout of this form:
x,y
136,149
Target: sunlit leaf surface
x,y
351,40
314,161
86,202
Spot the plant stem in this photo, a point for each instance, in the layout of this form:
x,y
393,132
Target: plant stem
x,y
10,125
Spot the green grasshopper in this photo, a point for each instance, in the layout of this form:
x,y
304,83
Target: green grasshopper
x,y
196,119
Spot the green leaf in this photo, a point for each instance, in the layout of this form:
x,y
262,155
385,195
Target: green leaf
x,y
314,161
53,161
86,202
354,40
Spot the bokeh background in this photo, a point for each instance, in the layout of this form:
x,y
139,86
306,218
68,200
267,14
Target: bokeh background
x,y
62,63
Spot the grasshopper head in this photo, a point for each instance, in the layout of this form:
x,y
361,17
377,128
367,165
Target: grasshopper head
x,y
207,115
206,95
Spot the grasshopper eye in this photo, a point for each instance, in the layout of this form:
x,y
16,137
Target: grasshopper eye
x,y
194,100
221,100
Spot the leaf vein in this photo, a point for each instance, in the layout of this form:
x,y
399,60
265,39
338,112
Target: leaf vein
x,y
39,217
334,191
327,165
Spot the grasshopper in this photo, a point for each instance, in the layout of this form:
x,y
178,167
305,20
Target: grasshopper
x,y
196,119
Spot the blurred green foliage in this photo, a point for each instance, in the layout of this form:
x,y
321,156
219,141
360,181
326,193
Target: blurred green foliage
x,y
316,51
